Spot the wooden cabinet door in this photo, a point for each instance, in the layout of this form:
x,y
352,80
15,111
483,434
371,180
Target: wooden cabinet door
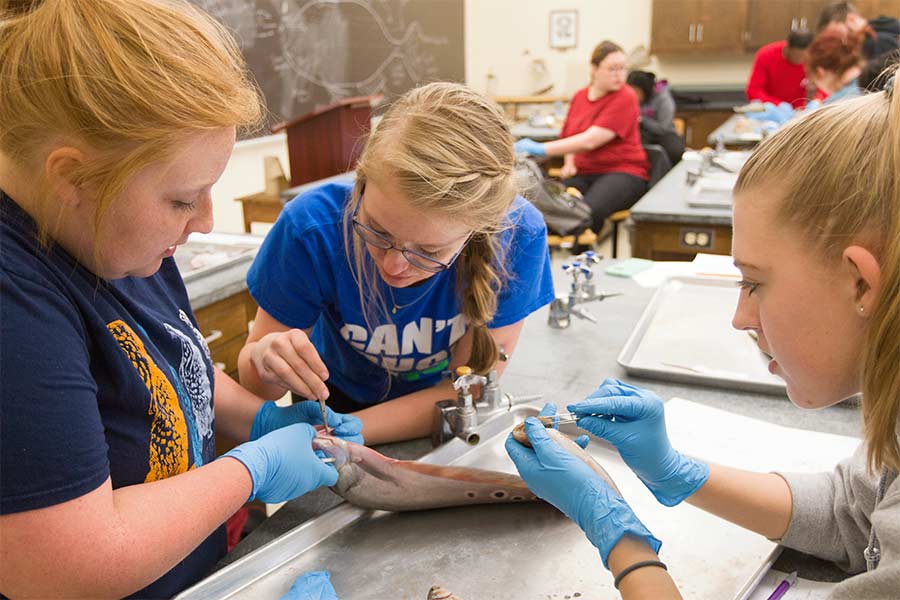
x,y
888,8
720,26
769,21
673,26
807,13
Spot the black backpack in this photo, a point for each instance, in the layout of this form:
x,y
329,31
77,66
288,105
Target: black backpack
x,y
563,212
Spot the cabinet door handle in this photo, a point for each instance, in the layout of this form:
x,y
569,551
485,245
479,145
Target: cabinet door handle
x,y
214,335
803,23
691,31
793,23
699,32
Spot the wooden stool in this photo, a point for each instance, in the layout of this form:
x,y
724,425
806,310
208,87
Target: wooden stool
x,y
615,219
586,238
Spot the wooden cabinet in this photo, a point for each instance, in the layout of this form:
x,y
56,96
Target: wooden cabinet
x,y
699,124
698,26
690,27
678,241
224,326
772,20
874,8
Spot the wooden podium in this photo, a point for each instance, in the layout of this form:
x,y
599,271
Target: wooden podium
x,y
328,140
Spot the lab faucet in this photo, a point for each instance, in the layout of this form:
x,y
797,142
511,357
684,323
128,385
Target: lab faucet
x,y
583,289
460,417
709,159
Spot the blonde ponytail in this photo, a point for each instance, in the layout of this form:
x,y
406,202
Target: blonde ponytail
x,y
881,379
479,280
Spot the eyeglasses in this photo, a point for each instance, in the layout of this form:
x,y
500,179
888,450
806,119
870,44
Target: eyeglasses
x,y
382,242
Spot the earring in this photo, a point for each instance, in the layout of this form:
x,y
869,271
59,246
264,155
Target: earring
x,y
861,309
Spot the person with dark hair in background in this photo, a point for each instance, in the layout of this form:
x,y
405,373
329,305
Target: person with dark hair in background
x,y
657,113
778,73
600,140
881,35
877,72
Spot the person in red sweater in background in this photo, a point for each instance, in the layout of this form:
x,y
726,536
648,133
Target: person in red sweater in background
x,y
601,140
778,74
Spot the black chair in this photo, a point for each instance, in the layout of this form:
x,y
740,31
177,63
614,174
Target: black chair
x,y
659,166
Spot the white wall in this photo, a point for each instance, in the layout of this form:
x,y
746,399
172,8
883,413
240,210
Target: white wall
x,y
503,37
244,176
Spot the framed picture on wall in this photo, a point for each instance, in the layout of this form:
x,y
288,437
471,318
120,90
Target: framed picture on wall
x,y
563,29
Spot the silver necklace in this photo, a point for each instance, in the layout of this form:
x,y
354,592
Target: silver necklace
x,y
397,307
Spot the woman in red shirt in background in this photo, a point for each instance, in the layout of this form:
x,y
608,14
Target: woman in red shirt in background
x,y
600,140
778,74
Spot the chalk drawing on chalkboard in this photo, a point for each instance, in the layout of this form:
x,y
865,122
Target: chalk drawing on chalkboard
x,y
314,40
309,53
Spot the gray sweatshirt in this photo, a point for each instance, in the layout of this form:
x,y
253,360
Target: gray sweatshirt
x,y
833,514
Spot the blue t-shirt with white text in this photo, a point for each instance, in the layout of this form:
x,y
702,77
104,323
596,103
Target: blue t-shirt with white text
x,y
303,278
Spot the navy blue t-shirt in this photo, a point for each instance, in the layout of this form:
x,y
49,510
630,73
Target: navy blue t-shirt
x,y
100,379
303,278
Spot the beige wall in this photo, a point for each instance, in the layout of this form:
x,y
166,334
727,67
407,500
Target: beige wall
x,y
505,37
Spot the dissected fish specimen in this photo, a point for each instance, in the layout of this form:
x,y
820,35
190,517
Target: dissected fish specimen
x,y
569,445
371,480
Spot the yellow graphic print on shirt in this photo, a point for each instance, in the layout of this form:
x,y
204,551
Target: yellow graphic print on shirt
x,y
168,432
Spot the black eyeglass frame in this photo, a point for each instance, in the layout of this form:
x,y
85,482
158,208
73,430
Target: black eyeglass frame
x,y
382,242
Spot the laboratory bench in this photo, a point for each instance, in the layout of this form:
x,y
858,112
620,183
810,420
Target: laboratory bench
x,y
666,226
565,365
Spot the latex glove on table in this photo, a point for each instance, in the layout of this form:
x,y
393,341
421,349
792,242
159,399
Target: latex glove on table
x,y
315,585
571,486
529,146
634,422
270,417
283,465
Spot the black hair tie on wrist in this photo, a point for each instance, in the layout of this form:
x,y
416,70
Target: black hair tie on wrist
x,y
636,566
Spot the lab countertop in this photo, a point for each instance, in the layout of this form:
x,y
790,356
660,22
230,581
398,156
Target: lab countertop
x,y
214,266
708,98
566,365
667,201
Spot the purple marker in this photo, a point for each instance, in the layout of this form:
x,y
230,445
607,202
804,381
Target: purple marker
x,y
783,586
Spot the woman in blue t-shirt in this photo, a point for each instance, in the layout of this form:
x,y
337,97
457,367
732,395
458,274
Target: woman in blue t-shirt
x,y
368,290
118,117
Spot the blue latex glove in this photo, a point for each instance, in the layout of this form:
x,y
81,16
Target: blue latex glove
x,y
315,585
549,410
780,114
282,464
571,486
529,146
639,434
270,417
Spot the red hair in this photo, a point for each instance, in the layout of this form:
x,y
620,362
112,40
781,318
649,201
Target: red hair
x,y
835,49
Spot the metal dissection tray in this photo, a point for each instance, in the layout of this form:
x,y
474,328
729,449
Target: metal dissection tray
x,y
496,552
685,335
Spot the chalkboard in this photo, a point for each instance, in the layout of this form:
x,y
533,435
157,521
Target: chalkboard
x,y
310,53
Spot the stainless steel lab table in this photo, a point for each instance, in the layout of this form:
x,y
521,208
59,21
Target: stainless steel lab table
x,y
565,365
